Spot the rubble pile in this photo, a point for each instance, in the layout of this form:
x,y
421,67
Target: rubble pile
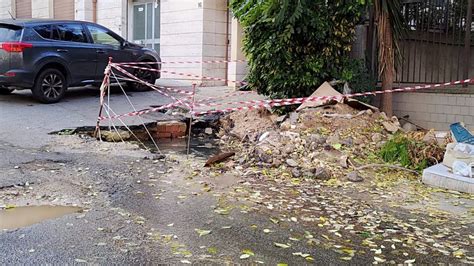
x,y
315,143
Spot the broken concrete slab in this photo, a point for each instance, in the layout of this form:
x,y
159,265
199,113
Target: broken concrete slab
x,y
327,90
441,176
324,90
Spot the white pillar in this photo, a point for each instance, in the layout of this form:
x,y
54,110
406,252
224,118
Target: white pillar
x,y
42,9
5,7
237,71
83,10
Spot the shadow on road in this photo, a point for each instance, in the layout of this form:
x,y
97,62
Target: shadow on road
x,y
72,95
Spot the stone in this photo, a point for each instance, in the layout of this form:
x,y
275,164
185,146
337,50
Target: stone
x,y
390,126
321,173
377,137
308,174
291,162
369,112
115,136
383,116
333,139
317,139
294,118
295,172
276,162
430,137
409,127
394,119
343,161
208,131
354,177
348,142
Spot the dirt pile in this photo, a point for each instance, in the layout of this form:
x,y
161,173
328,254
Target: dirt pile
x,y
247,125
316,143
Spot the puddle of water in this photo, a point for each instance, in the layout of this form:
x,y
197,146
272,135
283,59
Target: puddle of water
x,y
28,215
200,147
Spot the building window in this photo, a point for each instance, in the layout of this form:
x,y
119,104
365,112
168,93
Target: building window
x,y
145,22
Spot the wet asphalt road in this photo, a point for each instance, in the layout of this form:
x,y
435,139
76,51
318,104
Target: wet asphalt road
x,y
130,218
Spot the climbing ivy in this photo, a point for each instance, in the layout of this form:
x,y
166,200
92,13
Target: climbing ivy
x,y
294,45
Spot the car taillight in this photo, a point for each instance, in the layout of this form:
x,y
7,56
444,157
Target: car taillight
x,y
15,47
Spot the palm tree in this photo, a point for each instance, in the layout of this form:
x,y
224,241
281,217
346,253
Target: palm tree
x,y
389,30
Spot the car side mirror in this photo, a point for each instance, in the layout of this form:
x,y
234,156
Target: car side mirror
x,y
124,44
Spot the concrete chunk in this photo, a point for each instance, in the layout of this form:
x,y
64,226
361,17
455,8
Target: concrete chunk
x,y
441,176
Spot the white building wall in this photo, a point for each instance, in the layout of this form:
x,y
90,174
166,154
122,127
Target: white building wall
x,y
215,36
83,10
113,15
5,6
42,8
182,36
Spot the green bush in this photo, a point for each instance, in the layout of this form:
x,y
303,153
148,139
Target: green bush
x,y
411,151
295,45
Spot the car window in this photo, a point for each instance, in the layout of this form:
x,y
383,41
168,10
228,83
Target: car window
x,y
70,33
102,36
44,31
9,33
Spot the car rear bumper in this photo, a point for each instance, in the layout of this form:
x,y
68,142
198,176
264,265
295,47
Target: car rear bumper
x,y
17,78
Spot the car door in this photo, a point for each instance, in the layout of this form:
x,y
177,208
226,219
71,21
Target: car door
x,y
108,45
73,45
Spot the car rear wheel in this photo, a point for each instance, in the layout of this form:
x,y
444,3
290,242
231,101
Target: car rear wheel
x,y
5,91
50,86
145,75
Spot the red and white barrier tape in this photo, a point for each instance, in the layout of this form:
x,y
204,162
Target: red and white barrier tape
x,y
147,111
184,62
237,93
256,104
283,102
181,74
153,86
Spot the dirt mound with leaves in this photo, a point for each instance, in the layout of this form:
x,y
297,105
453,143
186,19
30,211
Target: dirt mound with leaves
x,y
318,143
351,178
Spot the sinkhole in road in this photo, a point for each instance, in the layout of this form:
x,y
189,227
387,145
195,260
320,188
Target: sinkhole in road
x,y
18,217
202,144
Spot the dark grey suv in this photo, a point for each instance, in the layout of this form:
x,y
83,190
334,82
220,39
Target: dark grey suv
x,y
48,56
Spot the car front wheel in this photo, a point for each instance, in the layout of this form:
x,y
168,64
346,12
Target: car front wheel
x,y
144,75
50,86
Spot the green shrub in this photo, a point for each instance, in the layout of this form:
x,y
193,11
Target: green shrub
x,y
295,45
411,151
396,150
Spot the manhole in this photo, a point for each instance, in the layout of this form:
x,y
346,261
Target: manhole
x,y
24,216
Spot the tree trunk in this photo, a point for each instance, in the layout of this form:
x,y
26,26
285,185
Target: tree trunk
x,y
387,84
386,55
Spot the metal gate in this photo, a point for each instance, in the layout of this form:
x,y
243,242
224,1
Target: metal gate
x,y
438,44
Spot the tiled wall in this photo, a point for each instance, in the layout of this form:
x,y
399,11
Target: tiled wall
x,y
111,14
42,8
435,110
5,6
